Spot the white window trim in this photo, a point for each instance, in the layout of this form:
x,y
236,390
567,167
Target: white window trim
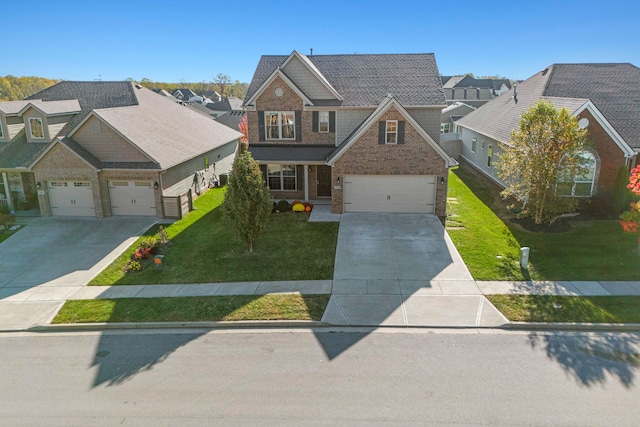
x,y
473,144
282,176
31,130
1,130
489,155
575,181
445,128
482,144
387,133
321,122
280,114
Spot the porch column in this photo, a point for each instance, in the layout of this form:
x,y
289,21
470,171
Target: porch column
x,y
5,181
306,183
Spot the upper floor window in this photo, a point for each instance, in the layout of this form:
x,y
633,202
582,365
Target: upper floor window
x,y
580,184
445,128
323,121
280,125
35,127
392,132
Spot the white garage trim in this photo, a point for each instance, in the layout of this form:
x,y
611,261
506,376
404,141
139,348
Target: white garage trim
x,y
71,198
132,198
390,193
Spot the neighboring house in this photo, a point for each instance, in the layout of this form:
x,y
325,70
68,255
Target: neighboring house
x,y
450,116
184,94
228,104
212,95
232,119
358,130
107,148
471,91
604,97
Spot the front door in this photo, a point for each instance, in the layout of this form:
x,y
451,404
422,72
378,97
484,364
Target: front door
x,y
323,181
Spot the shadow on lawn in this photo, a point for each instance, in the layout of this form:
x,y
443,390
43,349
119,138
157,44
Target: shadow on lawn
x,y
591,358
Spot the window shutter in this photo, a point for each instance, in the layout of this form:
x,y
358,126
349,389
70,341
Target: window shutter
x,y
315,121
298,114
400,131
382,132
263,169
332,121
261,137
299,177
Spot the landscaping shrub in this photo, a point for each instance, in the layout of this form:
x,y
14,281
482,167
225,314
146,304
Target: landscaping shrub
x,y
283,206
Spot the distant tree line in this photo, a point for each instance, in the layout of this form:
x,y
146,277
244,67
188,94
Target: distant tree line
x,y
15,88
221,83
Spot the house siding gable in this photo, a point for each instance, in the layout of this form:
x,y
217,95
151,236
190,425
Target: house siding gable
x,y
348,120
429,119
306,80
107,145
415,157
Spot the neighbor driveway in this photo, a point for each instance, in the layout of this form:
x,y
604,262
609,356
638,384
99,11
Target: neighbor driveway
x,y
403,269
51,258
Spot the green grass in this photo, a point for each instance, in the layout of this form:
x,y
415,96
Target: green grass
x,y
204,250
4,235
592,250
544,308
194,309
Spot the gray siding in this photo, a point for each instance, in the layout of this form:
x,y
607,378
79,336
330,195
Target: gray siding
x,y
306,81
479,158
179,179
429,119
347,121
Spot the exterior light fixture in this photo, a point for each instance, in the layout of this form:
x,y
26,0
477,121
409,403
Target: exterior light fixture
x,y
155,185
442,180
39,185
338,179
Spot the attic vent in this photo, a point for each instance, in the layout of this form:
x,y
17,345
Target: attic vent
x,y
545,71
95,126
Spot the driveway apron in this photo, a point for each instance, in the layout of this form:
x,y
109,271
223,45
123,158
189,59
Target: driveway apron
x,y
51,258
403,270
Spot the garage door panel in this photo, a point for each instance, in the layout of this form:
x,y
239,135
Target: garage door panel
x,y
71,198
383,193
132,198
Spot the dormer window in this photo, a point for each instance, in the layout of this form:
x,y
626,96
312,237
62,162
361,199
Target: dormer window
x,y
280,125
35,128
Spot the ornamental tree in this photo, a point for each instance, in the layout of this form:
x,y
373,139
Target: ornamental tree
x,y
247,204
544,151
630,220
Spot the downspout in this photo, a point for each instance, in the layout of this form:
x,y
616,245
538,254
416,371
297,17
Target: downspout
x,y
306,183
7,193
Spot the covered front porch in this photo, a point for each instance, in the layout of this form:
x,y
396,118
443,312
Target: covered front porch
x,y
18,193
296,172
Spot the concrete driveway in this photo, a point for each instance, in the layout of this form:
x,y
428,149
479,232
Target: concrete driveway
x,y
403,270
51,258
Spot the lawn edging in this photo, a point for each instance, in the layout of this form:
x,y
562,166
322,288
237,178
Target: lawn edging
x,y
239,324
568,326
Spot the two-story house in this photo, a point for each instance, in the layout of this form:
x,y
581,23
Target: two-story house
x,y
107,148
358,130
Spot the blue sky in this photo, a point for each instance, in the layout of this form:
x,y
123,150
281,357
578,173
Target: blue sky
x,y
192,41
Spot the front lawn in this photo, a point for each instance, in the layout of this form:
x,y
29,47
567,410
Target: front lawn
x,y
545,308
194,309
203,250
489,244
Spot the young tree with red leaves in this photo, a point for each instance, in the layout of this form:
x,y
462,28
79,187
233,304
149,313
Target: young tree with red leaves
x,y
630,220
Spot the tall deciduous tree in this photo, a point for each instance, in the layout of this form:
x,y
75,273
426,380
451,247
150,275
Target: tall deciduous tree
x,y
247,204
222,80
546,149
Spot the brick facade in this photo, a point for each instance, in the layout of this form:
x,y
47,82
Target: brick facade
x,y
415,157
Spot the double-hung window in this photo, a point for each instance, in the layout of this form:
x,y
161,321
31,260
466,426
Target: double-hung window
x,y
445,127
323,121
473,144
35,128
280,125
281,177
579,184
392,132
1,131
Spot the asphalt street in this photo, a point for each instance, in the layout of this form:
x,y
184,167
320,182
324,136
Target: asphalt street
x,y
322,377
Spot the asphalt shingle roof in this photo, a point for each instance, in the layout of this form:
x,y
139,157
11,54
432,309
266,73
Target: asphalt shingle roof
x,y
290,153
613,88
364,80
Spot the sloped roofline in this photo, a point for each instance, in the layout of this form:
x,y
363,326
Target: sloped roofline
x,y
613,134
94,113
384,106
279,73
314,70
36,107
50,147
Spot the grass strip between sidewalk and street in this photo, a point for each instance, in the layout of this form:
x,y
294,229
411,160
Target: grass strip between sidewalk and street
x,y
194,309
579,309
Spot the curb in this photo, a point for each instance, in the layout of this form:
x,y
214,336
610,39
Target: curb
x,y
542,326
70,327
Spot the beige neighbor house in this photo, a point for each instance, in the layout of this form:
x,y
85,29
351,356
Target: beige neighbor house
x,y
107,148
359,131
604,96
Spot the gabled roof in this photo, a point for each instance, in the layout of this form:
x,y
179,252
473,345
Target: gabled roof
x,y
53,108
227,104
455,106
364,80
314,70
12,108
278,73
184,94
388,102
232,119
609,91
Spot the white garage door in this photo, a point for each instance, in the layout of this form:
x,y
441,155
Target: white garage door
x,y
132,198
71,198
389,193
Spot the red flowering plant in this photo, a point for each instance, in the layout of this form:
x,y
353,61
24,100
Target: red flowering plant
x,y
142,257
630,220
